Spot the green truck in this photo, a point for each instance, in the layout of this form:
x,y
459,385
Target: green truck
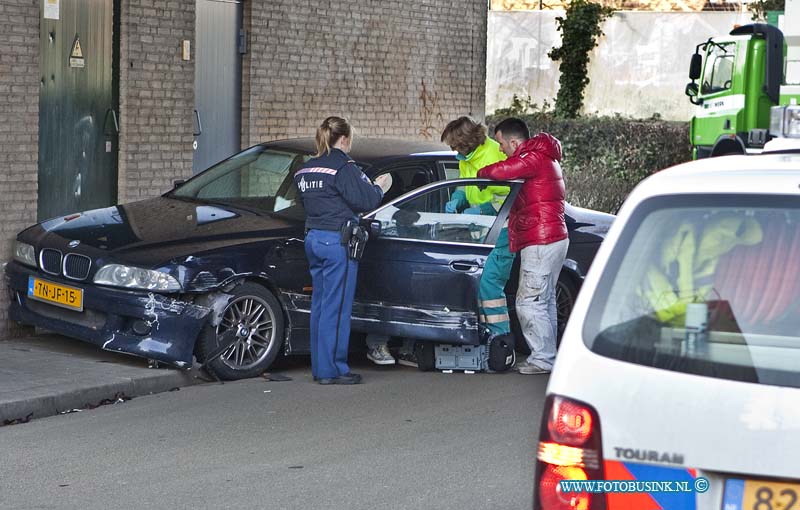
x,y
745,85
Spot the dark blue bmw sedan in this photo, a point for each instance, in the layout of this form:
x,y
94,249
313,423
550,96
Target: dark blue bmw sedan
x,y
218,264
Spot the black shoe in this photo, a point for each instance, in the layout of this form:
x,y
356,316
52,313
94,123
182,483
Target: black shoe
x,y
407,359
350,378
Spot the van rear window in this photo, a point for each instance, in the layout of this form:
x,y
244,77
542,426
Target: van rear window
x,y
707,285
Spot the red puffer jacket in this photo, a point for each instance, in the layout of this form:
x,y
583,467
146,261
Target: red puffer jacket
x,y
537,216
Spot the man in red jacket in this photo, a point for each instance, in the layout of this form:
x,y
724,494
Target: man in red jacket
x,y
537,230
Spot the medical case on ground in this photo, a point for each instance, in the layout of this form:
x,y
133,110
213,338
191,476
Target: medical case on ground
x,y
496,354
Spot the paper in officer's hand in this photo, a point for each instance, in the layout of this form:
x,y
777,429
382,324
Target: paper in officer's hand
x,y
384,182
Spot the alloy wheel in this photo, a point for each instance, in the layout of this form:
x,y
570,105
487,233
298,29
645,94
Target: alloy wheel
x,y
252,321
565,299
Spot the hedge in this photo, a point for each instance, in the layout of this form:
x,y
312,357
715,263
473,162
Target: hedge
x,y
605,157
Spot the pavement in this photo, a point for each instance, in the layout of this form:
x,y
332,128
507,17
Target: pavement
x,y
45,375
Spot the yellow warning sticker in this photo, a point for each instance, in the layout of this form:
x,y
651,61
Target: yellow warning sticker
x,y
76,55
76,50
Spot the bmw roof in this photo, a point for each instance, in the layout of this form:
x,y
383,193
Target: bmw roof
x,y
371,150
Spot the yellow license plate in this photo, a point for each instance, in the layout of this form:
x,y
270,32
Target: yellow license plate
x,y
760,495
55,294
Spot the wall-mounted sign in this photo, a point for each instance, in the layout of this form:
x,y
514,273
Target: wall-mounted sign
x,y
51,9
76,55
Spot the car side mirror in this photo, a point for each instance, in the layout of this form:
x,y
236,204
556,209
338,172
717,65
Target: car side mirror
x,y
177,182
695,66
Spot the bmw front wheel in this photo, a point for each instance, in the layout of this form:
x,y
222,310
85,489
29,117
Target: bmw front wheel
x,y
248,338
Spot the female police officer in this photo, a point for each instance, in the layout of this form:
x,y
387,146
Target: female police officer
x,y
333,190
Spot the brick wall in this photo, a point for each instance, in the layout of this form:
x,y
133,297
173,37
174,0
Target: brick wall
x,y
156,96
393,67
19,128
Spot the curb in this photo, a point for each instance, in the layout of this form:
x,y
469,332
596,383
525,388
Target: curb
x,y
39,403
49,375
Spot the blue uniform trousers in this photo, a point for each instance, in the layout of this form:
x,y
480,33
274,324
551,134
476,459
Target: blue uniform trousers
x,y
333,277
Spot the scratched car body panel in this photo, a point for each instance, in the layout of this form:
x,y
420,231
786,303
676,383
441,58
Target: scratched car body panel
x,y
697,380
240,221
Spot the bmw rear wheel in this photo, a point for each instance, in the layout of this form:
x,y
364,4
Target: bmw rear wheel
x,y
566,292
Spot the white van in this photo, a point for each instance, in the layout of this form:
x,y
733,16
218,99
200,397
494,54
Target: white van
x,y
677,381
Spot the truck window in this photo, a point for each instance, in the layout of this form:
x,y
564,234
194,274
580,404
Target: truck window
x,y
718,74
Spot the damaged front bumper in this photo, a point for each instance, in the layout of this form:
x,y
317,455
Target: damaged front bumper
x,y
141,323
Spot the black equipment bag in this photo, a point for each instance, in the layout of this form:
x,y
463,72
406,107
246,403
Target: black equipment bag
x,y
501,352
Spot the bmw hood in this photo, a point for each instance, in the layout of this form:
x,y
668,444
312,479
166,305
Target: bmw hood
x,y
154,231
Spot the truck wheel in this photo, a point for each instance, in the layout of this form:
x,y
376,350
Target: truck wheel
x,y
252,323
728,146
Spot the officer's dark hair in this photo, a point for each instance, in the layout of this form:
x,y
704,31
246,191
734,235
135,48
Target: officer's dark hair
x,y
329,133
513,127
464,135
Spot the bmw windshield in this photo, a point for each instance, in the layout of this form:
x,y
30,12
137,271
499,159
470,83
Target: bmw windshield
x,y
257,179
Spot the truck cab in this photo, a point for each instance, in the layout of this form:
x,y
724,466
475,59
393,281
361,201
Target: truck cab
x,y
739,79
742,83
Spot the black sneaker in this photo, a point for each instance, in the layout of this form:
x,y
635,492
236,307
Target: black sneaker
x,y
408,359
350,378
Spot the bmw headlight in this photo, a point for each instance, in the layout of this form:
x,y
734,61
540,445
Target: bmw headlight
x,y
129,277
24,253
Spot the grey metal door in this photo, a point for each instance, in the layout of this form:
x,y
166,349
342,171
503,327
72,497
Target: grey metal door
x,y
78,124
218,82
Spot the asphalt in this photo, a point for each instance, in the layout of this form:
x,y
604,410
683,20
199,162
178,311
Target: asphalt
x,y
45,375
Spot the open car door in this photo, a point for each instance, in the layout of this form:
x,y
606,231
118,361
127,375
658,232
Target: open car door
x,y
420,277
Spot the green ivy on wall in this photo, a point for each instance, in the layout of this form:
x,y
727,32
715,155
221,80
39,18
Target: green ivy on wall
x,y
579,29
759,8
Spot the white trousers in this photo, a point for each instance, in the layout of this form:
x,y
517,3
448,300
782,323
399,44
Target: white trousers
x,y
540,266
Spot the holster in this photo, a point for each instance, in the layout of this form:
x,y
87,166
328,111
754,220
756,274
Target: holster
x,y
354,239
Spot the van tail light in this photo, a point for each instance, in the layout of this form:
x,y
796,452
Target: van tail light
x,y
570,448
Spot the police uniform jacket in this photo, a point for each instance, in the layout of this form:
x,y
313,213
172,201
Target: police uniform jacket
x,y
334,189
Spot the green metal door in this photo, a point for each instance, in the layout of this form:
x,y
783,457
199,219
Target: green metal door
x,y
78,123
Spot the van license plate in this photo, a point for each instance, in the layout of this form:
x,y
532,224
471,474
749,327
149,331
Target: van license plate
x,y
55,294
760,495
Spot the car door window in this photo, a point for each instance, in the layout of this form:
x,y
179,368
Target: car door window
x,y
404,179
423,217
450,168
